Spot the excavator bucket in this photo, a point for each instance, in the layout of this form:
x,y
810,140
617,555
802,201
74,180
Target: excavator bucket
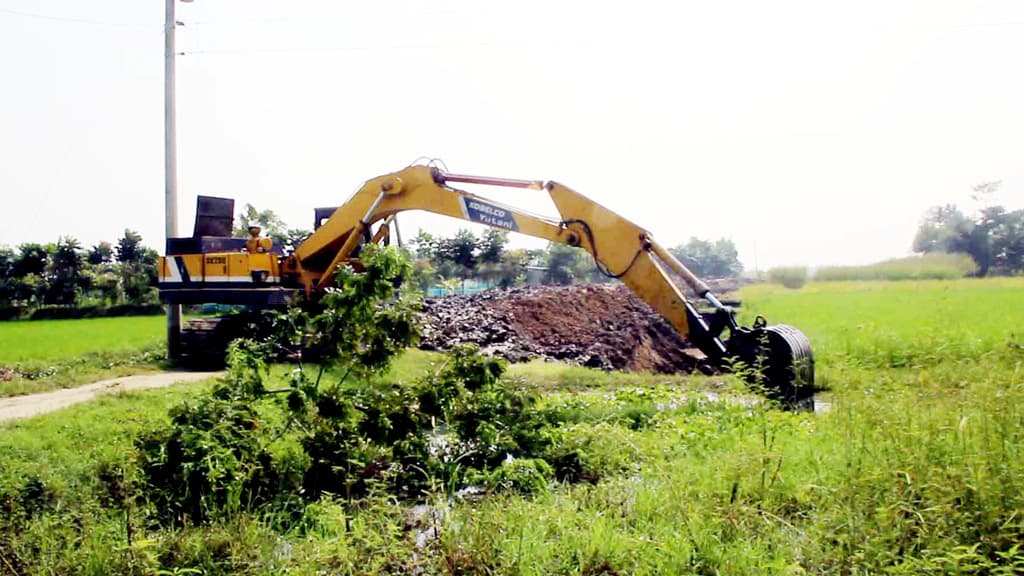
x,y
777,360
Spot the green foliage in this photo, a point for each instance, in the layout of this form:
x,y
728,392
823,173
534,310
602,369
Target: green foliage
x,y
269,222
66,279
216,459
930,266
7,279
129,248
64,274
271,225
915,469
365,320
491,245
423,275
792,277
567,265
993,237
466,256
511,270
943,229
521,475
718,259
102,253
31,259
460,250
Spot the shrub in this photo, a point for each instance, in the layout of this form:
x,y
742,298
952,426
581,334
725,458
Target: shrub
x,y
229,451
793,277
67,313
933,266
522,475
13,312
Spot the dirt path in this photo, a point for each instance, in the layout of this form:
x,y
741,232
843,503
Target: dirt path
x,y
27,406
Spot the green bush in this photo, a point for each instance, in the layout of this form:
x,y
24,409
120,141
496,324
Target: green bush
x,y
933,266
66,313
793,277
521,475
12,312
233,450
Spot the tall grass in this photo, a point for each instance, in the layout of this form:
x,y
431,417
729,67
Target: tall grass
x,y
935,266
917,469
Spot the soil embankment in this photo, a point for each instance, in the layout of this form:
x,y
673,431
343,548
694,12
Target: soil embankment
x,y
598,325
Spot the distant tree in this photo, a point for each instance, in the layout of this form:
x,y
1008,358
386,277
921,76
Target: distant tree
x,y
718,259
129,247
139,280
292,238
8,282
993,237
105,285
65,273
137,268
270,223
7,261
511,270
424,275
492,245
459,250
423,245
944,229
29,290
32,259
102,253
1007,243
564,264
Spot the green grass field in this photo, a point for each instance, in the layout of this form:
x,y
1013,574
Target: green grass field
x,y
49,354
54,340
916,469
910,324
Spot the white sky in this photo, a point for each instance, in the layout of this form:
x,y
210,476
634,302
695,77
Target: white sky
x,y
809,132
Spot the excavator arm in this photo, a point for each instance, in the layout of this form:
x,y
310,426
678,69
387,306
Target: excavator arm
x,y
620,248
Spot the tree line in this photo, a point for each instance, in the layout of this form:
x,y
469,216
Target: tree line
x,y
448,261
992,235
66,274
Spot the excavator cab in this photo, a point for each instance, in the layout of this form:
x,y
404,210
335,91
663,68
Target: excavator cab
x,y
212,267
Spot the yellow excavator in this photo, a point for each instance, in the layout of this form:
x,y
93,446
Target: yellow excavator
x,y
211,267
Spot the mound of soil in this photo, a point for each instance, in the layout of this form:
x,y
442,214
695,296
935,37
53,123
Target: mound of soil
x,y
597,325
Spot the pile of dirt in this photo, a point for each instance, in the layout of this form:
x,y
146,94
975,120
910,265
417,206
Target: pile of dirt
x,y
602,326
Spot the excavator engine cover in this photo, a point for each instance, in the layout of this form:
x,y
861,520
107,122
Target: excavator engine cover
x,y
777,358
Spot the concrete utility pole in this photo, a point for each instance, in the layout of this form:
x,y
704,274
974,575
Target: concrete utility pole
x,y
171,168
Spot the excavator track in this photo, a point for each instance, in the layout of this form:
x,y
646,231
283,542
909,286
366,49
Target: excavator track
x,y
204,341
